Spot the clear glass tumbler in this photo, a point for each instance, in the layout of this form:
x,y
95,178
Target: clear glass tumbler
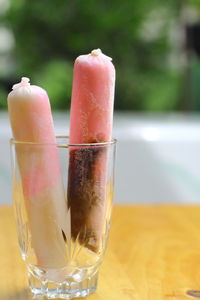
x,y
63,200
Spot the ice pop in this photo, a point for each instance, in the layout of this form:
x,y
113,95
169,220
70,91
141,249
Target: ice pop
x,y
91,118
31,121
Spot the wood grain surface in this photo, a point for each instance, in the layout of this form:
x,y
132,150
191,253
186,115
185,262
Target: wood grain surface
x,y
153,254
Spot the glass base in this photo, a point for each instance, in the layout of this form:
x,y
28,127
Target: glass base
x,y
64,290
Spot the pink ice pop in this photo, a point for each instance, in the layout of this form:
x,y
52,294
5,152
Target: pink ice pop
x,y
91,112
91,119
31,121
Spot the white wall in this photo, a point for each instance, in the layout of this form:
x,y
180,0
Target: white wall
x,y
157,157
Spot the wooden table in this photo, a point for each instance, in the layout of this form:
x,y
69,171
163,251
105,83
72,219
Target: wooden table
x,y
153,254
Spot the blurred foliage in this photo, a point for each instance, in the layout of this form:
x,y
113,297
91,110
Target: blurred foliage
x,y
56,78
50,34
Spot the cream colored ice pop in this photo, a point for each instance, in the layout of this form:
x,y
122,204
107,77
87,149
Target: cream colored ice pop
x,y
91,118
31,121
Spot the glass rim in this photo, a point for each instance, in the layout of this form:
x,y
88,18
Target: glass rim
x,y
16,142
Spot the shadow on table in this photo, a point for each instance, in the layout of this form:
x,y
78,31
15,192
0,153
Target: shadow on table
x,y
18,295
23,295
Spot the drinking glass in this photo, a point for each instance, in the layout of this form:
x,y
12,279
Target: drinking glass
x,y
62,197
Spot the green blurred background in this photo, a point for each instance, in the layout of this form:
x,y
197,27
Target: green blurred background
x,y
155,47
